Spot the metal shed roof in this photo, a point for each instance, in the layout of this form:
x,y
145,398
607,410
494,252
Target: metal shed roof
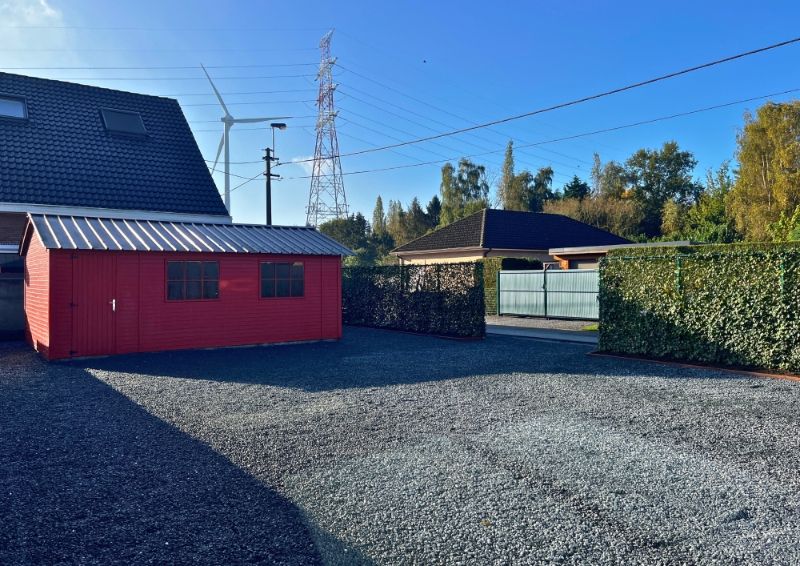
x,y
114,234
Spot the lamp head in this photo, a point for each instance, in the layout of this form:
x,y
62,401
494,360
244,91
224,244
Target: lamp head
x,y
278,125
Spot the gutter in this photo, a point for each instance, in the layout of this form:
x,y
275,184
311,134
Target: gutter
x,y
122,214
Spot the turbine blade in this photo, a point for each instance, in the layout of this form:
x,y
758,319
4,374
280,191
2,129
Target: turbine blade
x,y
219,96
255,120
219,150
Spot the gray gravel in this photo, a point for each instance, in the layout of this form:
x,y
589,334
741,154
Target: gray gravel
x,y
532,322
394,448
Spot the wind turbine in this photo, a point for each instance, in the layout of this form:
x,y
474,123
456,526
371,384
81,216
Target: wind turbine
x,y
228,120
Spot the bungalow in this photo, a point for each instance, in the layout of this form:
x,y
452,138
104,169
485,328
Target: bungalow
x,y
503,233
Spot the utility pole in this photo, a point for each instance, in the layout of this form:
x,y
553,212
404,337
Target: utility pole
x,y
268,159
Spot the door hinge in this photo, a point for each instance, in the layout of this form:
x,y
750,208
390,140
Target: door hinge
x,y
73,352
73,305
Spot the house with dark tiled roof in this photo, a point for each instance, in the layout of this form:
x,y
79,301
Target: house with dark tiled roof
x,y
503,233
72,149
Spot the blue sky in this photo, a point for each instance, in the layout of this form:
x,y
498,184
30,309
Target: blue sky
x,y
411,69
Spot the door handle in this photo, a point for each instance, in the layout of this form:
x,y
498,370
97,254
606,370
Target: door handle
x,y
113,303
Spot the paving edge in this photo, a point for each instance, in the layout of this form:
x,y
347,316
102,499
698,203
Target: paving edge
x,y
751,373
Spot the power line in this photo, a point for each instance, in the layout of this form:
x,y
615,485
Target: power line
x,y
348,87
179,78
161,49
249,102
157,68
563,138
581,135
578,101
448,148
210,94
137,28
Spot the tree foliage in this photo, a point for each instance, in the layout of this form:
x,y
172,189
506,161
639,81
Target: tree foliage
x,y
618,216
657,176
378,217
576,188
768,182
464,191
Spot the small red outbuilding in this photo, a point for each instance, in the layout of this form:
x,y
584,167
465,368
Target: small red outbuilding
x,y
99,286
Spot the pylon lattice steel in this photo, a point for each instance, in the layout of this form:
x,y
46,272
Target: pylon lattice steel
x,y
326,199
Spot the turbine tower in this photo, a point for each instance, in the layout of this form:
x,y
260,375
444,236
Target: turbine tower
x,y
225,142
326,199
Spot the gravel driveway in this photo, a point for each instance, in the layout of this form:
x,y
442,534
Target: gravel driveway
x,y
394,448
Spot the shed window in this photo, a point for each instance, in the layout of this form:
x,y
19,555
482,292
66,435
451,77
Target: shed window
x,y
13,107
192,280
282,279
123,122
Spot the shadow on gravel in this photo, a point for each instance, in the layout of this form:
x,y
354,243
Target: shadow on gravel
x,y
367,358
87,476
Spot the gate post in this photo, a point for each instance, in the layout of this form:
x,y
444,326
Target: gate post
x,y
497,292
544,288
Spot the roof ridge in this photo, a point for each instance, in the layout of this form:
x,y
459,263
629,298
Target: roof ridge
x,y
83,85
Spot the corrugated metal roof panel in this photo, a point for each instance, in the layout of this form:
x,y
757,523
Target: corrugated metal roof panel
x,y
93,233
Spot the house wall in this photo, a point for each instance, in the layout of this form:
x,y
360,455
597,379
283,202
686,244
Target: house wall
x,y
36,297
11,227
146,322
576,261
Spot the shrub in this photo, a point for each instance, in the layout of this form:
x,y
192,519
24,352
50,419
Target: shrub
x,y
441,299
736,304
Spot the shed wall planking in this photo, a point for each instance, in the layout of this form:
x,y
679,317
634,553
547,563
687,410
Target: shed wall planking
x,y
145,321
36,298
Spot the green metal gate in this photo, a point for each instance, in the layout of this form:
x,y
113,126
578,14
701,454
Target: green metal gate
x,y
559,294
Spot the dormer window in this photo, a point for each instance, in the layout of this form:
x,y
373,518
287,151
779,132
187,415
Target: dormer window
x,y
13,107
123,122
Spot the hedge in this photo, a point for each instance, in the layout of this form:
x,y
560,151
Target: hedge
x,y
735,304
491,265
441,299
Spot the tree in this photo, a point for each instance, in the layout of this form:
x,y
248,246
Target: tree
x,y
378,217
611,179
540,190
786,228
463,192
618,216
707,220
597,173
434,212
452,202
509,187
660,175
353,232
415,221
673,218
576,188
768,182
395,222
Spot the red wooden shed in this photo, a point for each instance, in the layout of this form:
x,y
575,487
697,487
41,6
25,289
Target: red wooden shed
x,y
98,286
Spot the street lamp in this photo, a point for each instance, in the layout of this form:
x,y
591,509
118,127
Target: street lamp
x,y
269,157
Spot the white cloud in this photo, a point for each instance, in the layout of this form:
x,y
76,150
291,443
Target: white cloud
x,y
308,166
28,15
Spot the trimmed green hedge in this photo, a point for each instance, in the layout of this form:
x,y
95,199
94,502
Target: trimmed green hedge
x,y
735,304
491,265
441,299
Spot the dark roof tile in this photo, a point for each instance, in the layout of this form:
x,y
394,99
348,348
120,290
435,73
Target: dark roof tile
x,y
63,155
512,230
